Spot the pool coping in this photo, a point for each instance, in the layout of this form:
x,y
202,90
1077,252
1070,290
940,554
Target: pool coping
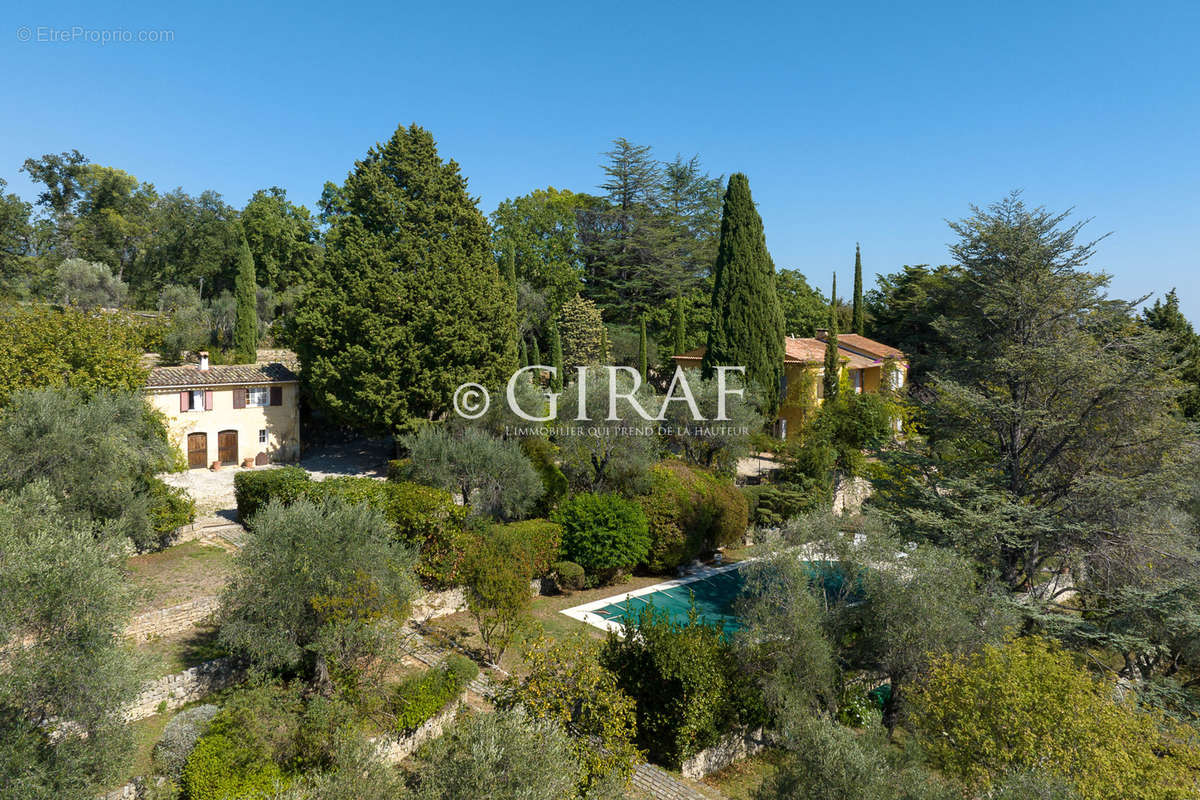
x,y
583,613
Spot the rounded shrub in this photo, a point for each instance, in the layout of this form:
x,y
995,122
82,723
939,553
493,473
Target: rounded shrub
x,y
223,768
603,533
179,738
569,576
536,540
254,490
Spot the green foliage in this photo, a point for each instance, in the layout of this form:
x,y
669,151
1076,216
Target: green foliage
x,y
89,285
804,310
409,304
253,490
44,347
714,444
581,328
1054,716
179,738
858,324
64,604
502,756
541,453
850,423
831,374
1184,343
565,685
99,455
556,358
169,508
747,323
245,330
603,533
496,574
687,685
422,696
221,768
643,366
309,586
690,512
536,542
492,475
570,576
283,238
771,504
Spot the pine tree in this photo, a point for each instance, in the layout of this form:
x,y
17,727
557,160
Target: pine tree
x,y
747,323
859,324
245,329
410,303
508,265
678,327
556,358
643,366
833,361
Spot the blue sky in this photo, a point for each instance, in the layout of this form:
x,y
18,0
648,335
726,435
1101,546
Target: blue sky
x,y
873,125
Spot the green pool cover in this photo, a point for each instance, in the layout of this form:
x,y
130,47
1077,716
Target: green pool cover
x,y
714,602
714,597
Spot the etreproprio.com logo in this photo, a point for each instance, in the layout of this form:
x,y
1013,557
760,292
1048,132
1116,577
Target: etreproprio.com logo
x,y
472,401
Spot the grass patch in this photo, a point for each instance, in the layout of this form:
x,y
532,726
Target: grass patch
x,y
178,574
740,779
146,733
166,655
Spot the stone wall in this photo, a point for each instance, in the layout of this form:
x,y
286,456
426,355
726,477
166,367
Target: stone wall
x,y
849,495
393,750
732,747
439,604
164,621
185,687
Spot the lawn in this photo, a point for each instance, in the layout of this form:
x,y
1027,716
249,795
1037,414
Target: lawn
x,y
740,779
166,655
178,574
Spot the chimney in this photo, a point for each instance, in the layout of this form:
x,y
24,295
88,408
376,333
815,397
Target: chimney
x,y
822,333
203,366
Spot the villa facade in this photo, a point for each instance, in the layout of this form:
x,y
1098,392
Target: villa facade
x,y
867,366
229,415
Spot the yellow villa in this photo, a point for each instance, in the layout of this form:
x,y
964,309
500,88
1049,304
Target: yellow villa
x,y
866,364
229,415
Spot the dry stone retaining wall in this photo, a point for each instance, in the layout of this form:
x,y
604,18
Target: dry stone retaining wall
x,y
394,750
164,621
732,747
185,687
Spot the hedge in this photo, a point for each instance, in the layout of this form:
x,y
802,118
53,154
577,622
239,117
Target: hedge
x,y
690,511
419,698
538,540
254,490
603,533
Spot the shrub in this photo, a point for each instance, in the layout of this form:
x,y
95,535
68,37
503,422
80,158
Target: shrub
x,y
461,666
170,508
536,540
179,738
1027,705
689,512
772,504
686,682
254,490
420,697
223,768
569,576
497,580
540,453
398,469
603,533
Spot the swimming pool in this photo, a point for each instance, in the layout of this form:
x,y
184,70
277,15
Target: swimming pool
x,y
714,588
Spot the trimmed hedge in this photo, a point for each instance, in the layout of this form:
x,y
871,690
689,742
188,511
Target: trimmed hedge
x,y
419,698
603,533
254,490
538,540
689,512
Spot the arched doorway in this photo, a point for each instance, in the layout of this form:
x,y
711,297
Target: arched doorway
x,y
227,447
197,450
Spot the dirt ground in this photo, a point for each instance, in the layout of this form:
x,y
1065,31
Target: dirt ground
x,y
178,574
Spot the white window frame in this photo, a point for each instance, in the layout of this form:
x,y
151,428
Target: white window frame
x,y
256,393
263,436
196,400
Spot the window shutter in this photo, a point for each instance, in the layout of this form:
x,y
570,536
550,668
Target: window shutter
x,y
276,395
184,400
208,398
239,398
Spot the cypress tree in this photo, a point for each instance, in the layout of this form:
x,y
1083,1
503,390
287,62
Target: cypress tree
x,y
678,327
747,322
522,355
643,366
508,266
556,358
535,353
245,328
603,344
859,324
833,361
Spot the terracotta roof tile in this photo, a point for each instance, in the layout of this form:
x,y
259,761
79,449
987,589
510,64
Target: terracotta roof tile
x,y
868,347
219,375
